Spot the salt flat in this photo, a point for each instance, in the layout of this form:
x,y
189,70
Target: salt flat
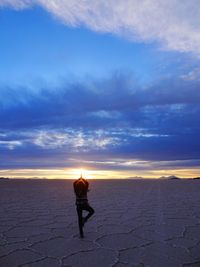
x,y
136,223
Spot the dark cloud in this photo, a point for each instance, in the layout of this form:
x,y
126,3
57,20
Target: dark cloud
x,y
110,119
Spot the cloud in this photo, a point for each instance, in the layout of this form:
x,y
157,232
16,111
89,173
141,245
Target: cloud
x,y
10,144
174,24
116,102
17,4
192,75
106,120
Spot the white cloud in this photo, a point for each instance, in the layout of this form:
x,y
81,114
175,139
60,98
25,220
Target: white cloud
x,y
17,4
174,23
192,75
74,140
10,144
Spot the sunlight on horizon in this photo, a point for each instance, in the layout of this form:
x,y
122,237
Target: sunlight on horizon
x,y
75,173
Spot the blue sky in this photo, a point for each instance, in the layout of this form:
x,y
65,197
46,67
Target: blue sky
x,y
87,87
36,46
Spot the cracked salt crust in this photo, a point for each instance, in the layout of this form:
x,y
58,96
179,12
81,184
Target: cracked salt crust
x,y
139,223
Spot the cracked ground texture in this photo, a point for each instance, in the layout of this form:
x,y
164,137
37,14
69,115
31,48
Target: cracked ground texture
x,y
143,223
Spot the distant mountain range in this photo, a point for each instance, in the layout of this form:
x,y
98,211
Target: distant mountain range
x,y
136,177
4,178
171,177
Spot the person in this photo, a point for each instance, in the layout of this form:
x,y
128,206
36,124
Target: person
x,y
81,187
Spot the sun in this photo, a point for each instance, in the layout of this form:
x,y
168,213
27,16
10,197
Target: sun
x,y
85,173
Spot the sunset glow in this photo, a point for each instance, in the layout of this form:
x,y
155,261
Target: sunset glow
x,y
108,98
96,174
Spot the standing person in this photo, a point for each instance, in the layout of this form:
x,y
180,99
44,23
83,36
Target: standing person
x,y
81,187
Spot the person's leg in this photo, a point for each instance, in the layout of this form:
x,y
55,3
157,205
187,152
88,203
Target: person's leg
x,y
80,220
90,210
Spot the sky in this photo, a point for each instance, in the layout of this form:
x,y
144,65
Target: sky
x,y
110,88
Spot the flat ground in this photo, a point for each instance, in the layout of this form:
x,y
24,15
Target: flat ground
x,y
137,223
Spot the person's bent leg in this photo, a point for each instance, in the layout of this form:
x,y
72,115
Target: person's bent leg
x,y
90,210
80,220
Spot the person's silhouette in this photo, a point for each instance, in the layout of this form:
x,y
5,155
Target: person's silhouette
x,y
81,187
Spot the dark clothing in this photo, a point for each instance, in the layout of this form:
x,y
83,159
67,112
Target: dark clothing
x,y
81,188
82,220
80,201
